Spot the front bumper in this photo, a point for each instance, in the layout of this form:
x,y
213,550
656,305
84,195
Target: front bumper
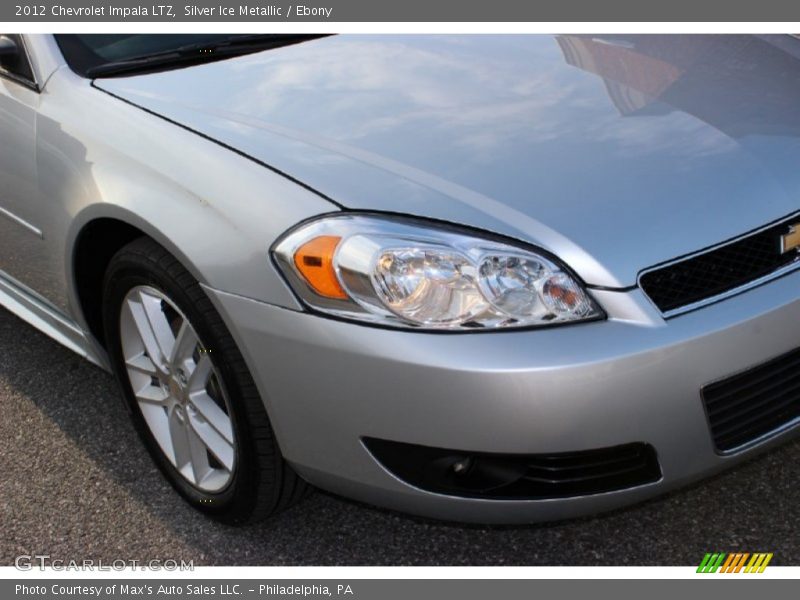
x,y
328,384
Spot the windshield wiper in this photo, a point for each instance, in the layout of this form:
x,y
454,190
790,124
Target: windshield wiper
x,y
197,53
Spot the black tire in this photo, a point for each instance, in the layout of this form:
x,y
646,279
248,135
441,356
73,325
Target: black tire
x,y
262,483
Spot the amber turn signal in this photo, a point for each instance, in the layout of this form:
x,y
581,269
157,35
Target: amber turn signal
x,y
314,261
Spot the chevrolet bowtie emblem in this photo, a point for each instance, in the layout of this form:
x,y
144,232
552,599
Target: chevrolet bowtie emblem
x,y
791,240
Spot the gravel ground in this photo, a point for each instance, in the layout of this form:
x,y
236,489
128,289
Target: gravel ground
x,y
76,484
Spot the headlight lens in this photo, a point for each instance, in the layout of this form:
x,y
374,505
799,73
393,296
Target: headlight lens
x,y
427,286
402,274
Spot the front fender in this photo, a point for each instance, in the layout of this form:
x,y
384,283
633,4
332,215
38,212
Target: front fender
x,y
216,210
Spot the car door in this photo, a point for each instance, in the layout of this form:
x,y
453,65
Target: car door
x,y
21,238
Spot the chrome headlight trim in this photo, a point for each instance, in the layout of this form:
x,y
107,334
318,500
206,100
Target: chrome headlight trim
x,y
363,304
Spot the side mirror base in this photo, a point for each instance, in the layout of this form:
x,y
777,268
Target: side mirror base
x,y
8,47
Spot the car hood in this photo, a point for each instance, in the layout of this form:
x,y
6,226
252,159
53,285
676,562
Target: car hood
x,y
613,152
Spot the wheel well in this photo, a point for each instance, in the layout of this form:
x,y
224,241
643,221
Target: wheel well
x,y
97,243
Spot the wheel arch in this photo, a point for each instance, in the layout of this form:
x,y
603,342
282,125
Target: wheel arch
x,y
93,241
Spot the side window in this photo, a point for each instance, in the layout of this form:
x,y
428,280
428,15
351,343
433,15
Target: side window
x,y
15,65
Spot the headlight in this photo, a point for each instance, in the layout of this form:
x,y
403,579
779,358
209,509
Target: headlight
x,y
403,274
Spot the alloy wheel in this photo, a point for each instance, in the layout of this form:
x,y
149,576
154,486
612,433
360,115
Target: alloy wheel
x,y
177,388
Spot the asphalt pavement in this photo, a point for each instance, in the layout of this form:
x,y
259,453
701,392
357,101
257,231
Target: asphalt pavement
x,y
75,483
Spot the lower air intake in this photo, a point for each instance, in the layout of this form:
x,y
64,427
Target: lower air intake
x,y
518,476
755,403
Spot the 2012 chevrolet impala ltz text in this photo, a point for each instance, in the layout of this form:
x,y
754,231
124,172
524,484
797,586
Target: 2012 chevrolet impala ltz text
x,y
500,279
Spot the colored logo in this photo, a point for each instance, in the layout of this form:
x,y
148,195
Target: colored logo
x,y
791,240
737,562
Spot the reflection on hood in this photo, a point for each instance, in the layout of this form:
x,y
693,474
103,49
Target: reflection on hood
x,y
741,85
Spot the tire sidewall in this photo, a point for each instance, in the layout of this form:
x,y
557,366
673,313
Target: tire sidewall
x,y
124,274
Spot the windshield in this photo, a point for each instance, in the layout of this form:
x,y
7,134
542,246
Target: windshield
x,y
85,53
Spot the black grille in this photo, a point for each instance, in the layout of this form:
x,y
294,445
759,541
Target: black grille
x,y
518,477
718,270
754,403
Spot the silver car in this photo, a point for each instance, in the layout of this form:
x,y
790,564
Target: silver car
x,y
481,278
